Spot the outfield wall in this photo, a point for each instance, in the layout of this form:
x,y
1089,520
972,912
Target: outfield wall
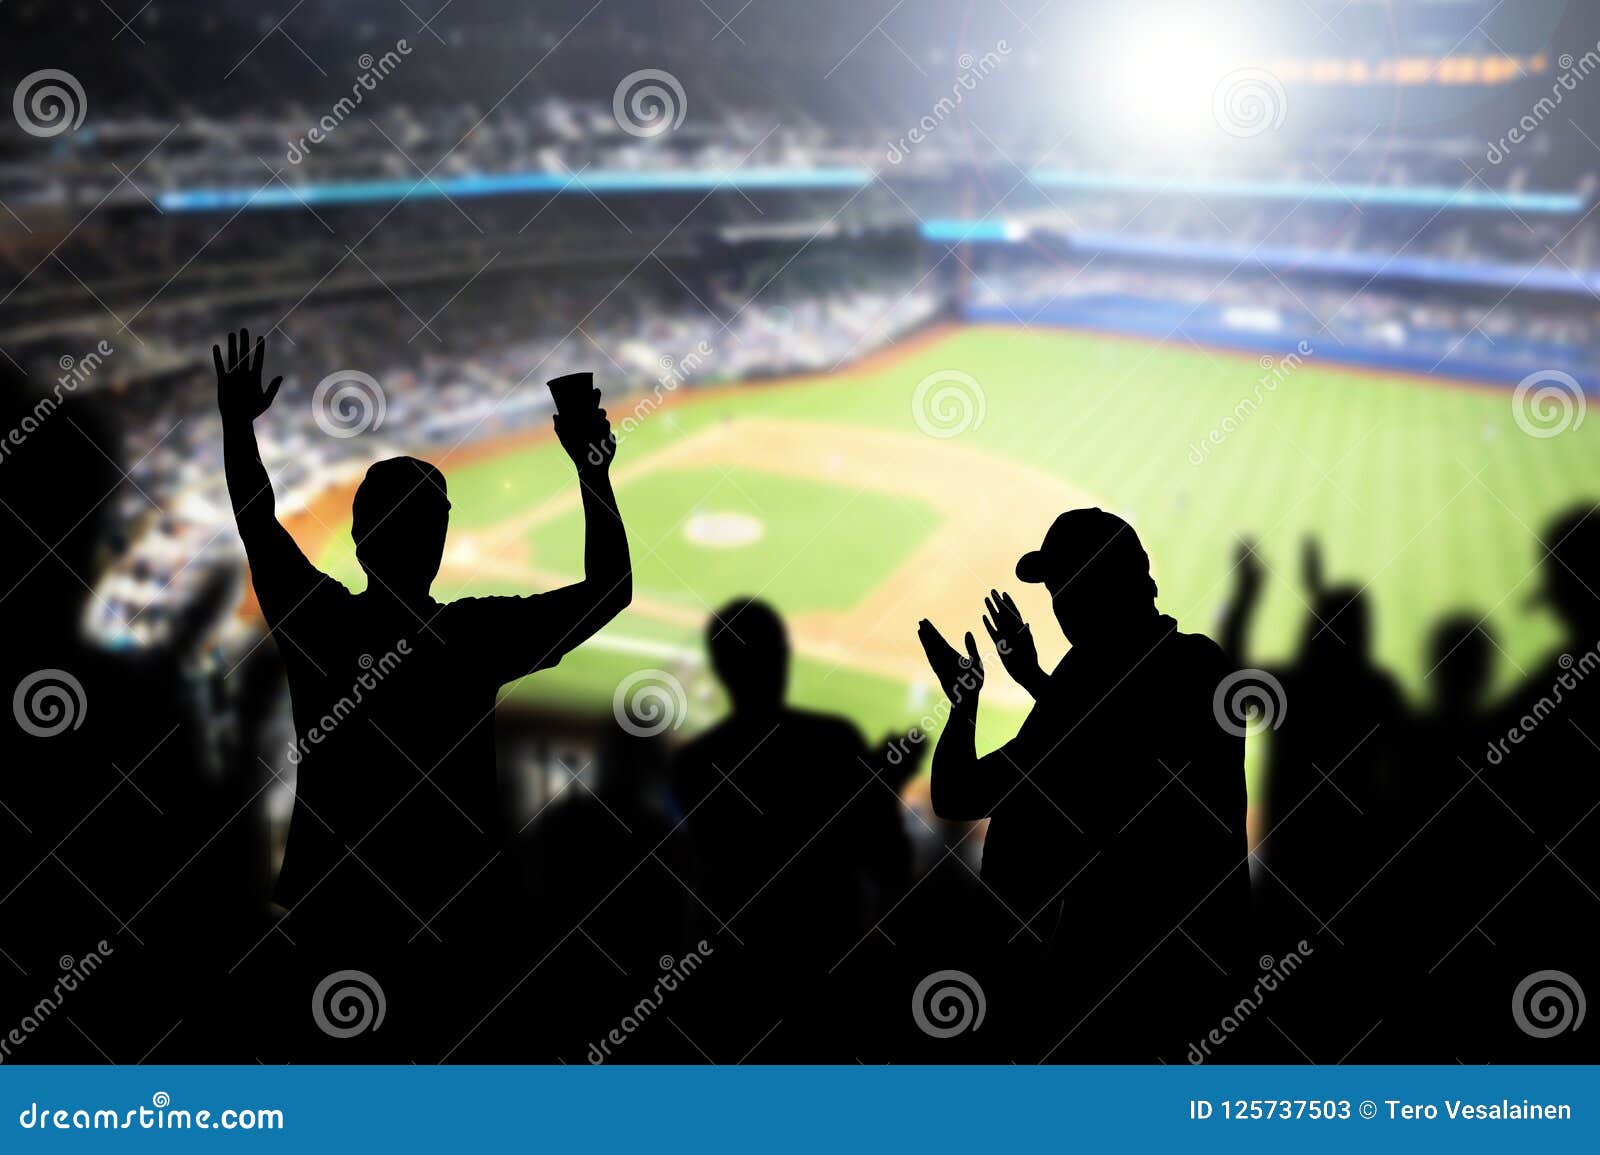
x,y
1506,362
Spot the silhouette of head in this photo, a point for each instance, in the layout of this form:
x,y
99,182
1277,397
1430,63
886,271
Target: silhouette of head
x,y
1572,569
399,517
1096,571
1339,628
750,653
55,484
1460,658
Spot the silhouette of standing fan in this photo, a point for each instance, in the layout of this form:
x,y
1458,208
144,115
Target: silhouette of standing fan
x,y
394,693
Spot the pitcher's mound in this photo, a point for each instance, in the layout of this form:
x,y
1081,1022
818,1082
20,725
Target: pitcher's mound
x,y
723,530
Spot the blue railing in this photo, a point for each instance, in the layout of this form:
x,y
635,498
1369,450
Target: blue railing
x,y
278,196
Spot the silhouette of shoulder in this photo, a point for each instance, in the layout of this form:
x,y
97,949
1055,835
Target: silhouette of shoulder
x,y
286,583
831,727
1203,655
1201,649
795,754
512,635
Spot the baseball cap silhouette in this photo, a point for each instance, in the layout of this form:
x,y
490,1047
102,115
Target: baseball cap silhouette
x,y
1090,546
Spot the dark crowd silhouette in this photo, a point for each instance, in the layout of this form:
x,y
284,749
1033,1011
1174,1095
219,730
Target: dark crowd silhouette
x,y
1423,884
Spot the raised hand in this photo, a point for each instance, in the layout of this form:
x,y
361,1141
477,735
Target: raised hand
x,y
239,394
587,439
1311,565
960,677
1014,641
1247,564
1248,575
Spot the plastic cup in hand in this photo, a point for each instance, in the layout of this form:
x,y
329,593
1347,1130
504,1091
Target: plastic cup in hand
x,y
575,394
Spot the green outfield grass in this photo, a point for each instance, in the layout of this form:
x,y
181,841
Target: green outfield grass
x,y
1428,491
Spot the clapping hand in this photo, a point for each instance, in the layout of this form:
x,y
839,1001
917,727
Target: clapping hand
x,y
960,677
1013,640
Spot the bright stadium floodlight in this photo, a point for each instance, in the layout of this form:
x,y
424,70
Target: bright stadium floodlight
x,y
1158,71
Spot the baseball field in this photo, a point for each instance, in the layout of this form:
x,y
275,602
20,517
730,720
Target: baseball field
x,y
905,487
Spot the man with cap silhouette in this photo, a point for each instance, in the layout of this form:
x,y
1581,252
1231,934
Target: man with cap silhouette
x,y
395,819
1117,813
1542,839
